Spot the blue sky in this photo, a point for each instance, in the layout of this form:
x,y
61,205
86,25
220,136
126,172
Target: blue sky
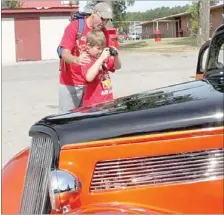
x,y
147,5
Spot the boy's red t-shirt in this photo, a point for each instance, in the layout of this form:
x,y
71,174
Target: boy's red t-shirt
x,y
71,74
100,89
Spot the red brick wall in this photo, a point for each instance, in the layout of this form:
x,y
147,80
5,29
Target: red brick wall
x,y
167,29
147,31
186,25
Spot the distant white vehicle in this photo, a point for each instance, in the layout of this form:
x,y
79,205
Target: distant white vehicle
x,y
134,36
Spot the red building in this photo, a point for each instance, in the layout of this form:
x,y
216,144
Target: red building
x,y
32,34
169,26
46,3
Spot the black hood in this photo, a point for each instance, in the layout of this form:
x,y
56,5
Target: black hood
x,y
183,106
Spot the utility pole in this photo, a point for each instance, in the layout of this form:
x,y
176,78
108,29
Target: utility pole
x,y
204,20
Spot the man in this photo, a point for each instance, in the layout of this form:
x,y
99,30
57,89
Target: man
x,y
74,55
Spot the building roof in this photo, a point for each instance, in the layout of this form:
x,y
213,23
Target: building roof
x,y
41,3
173,16
217,6
181,14
9,11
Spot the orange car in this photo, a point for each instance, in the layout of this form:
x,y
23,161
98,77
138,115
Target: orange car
x,y
159,151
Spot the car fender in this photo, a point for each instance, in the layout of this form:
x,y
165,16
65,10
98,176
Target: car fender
x,y
13,175
120,208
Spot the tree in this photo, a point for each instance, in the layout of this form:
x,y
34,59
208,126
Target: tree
x,y
200,14
4,4
204,23
119,9
155,13
194,12
11,4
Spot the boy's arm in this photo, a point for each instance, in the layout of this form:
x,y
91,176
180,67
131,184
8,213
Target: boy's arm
x,y
91,71
117,62
113,63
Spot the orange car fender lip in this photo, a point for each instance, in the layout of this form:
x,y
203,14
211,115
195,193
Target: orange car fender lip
x,y
121,208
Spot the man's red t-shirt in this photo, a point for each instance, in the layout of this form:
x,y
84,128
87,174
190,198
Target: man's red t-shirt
x,y
71,74
100,89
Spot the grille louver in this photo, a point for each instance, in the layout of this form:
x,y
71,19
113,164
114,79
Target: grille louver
x,y
158,170
35,190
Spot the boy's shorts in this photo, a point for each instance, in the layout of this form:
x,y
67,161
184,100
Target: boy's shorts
x,y
70,97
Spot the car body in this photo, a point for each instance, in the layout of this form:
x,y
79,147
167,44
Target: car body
x,y
159,151
134,36
122,36
213,65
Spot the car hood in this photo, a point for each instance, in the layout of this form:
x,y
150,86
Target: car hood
x,y
183,106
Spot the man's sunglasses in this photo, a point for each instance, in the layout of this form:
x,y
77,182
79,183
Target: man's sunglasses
x,y
103,20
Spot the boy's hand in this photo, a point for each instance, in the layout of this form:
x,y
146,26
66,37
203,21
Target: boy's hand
x,y
105,54
115,50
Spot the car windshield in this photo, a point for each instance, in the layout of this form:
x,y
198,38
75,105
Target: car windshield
x,y
215,55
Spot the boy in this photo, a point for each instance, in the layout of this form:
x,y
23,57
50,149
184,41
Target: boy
x,y
96,73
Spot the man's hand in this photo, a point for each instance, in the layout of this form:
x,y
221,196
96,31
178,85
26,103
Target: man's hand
x,y
82,59
71,59
105,54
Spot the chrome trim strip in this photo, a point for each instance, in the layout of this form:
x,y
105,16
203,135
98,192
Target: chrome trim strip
x,y
158,170
35,192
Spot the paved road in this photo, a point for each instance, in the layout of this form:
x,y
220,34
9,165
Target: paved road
x,y
30,90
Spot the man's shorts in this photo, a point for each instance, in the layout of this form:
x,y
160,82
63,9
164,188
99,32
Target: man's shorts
x,y
70,97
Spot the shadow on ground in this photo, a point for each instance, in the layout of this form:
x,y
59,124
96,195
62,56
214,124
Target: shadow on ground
x,y
134,44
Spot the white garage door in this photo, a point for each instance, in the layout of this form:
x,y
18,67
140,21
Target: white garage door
x,y
8,41
51,30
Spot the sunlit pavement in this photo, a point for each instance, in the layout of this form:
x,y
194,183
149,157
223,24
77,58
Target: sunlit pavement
x,y
30,90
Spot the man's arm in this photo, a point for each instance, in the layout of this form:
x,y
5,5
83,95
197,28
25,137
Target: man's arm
x,y
68,57
68,44
71,59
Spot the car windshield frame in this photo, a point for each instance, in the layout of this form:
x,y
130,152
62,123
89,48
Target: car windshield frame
x,y
216,44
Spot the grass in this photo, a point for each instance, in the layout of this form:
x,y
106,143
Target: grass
x,y
166,44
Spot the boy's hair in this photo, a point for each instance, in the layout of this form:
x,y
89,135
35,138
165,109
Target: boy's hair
x,y
96,38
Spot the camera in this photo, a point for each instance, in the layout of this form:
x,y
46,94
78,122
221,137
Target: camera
x,y
113,51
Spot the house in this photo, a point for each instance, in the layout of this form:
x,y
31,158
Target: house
x,y
169,26
32,34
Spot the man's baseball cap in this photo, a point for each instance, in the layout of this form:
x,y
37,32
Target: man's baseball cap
x,y
104,9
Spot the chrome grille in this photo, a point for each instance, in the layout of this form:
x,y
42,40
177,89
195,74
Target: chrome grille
x,y
158,170
35,194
